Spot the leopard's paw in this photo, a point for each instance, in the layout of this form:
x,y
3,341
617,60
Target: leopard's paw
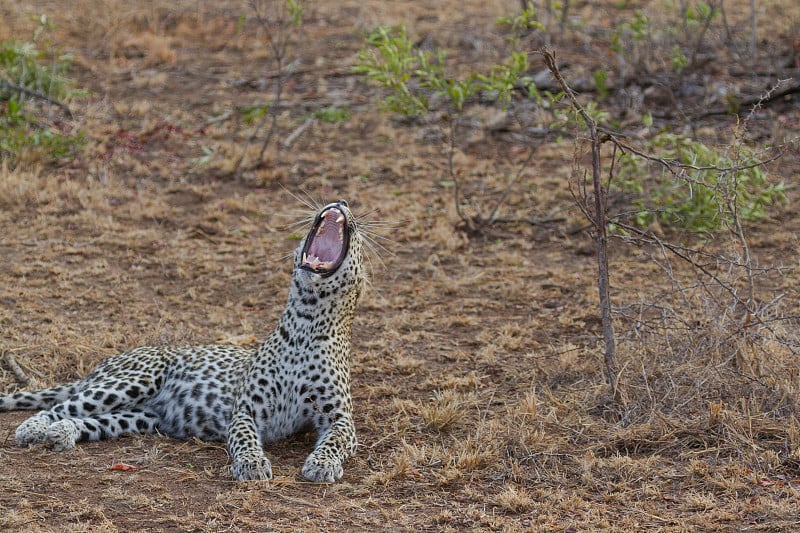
x,y
33,430
321,471
251,467
62,435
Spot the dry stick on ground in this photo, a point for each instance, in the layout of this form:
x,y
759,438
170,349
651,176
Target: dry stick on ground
x,y
15,369
775,94
600,226
287,143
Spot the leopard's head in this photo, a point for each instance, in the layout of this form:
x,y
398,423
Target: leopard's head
x,y
330,256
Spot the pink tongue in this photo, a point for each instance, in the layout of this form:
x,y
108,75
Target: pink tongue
x,y
325,246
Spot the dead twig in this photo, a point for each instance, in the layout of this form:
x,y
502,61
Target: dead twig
x,y
298,132
19,374
529,220
455,175
493,215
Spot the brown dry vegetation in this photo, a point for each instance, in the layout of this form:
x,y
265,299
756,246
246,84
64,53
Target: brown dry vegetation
x,y
477,366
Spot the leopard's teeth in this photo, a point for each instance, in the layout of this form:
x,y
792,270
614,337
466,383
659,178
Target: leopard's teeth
x,y
340,218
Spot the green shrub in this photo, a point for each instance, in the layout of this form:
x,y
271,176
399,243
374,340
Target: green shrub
x,y
332,114
710,186
30,82
412,76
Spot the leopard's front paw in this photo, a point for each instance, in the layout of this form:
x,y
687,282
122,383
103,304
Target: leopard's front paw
x,y
321,471
251,467
62,435
33,430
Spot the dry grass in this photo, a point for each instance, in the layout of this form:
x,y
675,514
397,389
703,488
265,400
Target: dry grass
x,y
478,384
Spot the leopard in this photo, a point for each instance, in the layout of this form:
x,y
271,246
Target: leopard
x,y
297,380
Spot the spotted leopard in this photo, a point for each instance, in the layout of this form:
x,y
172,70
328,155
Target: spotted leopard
x,y
297,380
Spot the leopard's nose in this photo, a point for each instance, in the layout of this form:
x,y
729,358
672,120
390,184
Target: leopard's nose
x,y
343,203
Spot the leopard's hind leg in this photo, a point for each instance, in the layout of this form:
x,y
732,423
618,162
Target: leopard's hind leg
x,y
100,411
111,401
35,428
65,433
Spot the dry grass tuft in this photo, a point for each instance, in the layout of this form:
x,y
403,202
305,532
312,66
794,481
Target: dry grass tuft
x,y
513,499
153,49
446,410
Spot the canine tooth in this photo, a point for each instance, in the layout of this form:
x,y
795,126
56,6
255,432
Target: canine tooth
x,y
340,218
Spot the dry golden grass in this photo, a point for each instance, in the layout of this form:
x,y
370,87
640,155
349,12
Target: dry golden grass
x,y
478,378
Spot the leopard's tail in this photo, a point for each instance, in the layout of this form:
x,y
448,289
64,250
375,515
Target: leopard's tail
x,y
39,399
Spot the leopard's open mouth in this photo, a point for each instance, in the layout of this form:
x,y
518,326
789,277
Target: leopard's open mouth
x,y
327,242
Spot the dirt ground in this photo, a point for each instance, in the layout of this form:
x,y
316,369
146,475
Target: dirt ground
x,y
478,383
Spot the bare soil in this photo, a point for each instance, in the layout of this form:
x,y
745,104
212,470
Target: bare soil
x,y
477,357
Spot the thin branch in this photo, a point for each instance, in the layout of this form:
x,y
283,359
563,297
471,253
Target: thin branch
x,y
753,316
671,165
492,216
453,174
600,222
771,96
298,132
712,10
5,84
15,369
279,36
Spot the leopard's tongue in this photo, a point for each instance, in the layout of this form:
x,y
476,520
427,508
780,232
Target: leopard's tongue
x,y
326,243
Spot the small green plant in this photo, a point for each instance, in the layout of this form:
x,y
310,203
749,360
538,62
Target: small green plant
x,y
601,83
709,188
569,119
521,24
29,81
636,29
332,114
631,41
253,113
524,20
695,16
413,78
678,61
409,75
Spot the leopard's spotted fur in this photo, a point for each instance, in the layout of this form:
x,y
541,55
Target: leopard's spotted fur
x,y
298,379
